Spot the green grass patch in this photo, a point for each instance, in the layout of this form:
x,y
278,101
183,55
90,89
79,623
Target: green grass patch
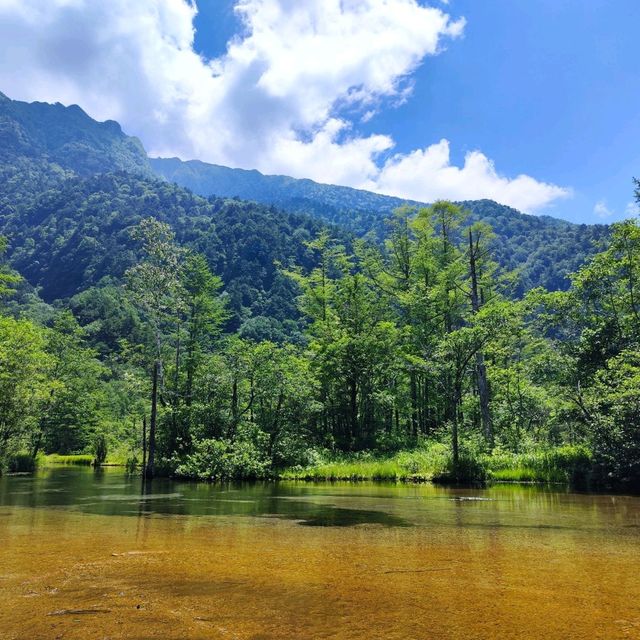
x,y
428,463
568,465
74,459
118,457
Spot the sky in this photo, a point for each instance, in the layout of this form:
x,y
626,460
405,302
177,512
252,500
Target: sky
x,y
533,103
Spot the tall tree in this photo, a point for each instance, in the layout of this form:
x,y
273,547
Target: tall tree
x,y
479,236
155,286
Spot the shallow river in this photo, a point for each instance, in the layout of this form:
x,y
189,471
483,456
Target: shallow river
x,y
88,554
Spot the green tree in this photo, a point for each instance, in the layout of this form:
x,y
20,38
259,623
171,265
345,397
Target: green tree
x,y
24,368
73,409
155,286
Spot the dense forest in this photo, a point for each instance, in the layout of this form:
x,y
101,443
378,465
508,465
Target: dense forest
x,y
406,345
542,249
217,338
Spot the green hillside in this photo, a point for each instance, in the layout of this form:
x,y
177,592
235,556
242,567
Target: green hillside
x,y
544,249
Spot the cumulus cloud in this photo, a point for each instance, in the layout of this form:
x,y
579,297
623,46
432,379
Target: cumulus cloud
x,y
602,210
427,174
286,97
632,210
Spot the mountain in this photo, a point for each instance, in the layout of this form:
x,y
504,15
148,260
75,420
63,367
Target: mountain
x,y
67,138
543,249
71,187
358,210
73,237
41,145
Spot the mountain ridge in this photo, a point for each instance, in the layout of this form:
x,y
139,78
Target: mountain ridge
x,y
185,172
364,213
44,145
69,137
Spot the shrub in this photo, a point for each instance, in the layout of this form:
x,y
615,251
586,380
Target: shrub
x,y
469,468
222,459
22,463
100,449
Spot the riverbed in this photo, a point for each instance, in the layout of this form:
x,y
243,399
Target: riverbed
x,y
97,554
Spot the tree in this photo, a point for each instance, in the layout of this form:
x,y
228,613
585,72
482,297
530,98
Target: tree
x,y
8,277
155,286
205,314
480,269
71,413
24,367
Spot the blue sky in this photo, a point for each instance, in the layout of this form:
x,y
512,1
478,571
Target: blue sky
x,y
533,103
550,88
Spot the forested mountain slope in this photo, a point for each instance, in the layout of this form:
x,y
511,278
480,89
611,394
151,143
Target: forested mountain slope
x,y
67,137
65,226
71,189
544,249
43,144
74,236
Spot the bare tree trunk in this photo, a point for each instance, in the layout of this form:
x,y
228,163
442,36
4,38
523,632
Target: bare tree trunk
x,y
154,416
455,446
144,443
414,405
481,369
483,393
176,399
353,407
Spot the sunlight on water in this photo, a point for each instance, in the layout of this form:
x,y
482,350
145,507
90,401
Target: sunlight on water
x,y
86,555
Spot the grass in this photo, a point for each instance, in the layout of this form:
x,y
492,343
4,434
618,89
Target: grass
x,y
418,465
21,463
116,458
570,465
57,458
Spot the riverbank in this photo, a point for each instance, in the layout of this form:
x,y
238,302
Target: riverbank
x,y
429,463
25,463
569,465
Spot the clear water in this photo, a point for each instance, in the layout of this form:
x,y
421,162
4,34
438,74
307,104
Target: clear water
x,y
87,554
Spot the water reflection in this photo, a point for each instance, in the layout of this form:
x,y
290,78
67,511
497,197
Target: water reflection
x,y
110,492
167,559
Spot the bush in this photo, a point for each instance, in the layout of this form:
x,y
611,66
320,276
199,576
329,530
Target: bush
x,y
469,468
22,463
222,459
100,449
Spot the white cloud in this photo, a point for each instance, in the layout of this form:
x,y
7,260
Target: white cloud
x,y
632,210
602,210
272,102
427,174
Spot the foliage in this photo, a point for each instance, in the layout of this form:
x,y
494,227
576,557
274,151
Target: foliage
x,y
224,339
223,459
100,449
543,250
24,365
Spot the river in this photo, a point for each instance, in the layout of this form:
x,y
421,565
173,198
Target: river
x,y
94,554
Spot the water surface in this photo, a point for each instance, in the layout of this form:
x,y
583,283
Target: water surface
x,y
88,554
